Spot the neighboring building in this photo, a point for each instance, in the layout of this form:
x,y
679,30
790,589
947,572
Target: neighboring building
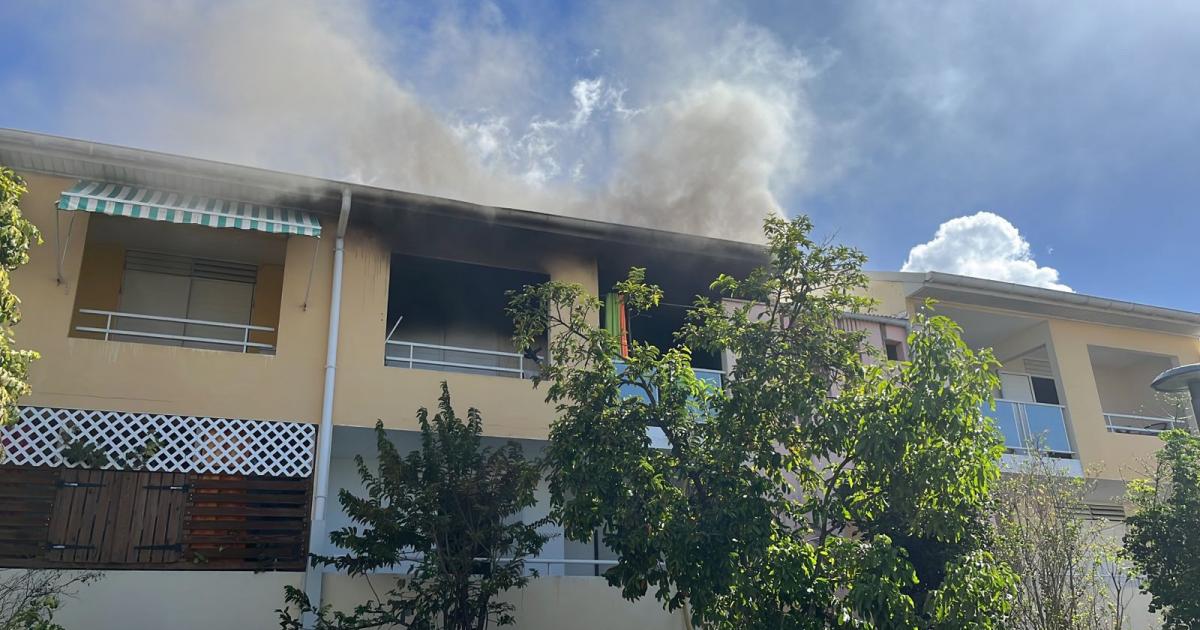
x,y
1075,376
205,359
1076,369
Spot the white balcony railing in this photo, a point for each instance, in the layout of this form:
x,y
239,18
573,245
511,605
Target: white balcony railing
x,y
125,325
1029,426
1140,425
412,354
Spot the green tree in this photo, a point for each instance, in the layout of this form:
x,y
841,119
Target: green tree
x,y
451,513
16,236
767,509
1071,574
1163,535
30,598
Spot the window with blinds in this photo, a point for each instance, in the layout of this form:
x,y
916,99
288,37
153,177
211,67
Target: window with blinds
x,y
191,294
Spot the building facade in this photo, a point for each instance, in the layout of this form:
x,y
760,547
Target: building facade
x,y
218,342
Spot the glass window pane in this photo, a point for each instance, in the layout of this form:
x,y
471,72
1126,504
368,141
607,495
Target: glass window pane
x,y
1005,416
1047,428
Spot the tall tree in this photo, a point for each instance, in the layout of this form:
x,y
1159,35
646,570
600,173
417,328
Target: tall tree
x,y
450,512
1071,574
765,510
17,235
1163,535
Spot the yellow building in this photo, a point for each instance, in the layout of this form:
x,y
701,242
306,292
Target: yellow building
x,y
254,325
1075,378
239,330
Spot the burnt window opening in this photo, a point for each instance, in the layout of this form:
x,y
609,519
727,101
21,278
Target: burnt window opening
x,y
658,328
450,316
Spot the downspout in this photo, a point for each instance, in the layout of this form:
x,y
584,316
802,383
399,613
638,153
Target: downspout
x,y
317,527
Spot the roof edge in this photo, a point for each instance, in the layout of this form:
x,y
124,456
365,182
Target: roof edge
x,y
280,183
938,279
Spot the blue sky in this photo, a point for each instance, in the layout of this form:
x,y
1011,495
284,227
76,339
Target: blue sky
x,y
1054,144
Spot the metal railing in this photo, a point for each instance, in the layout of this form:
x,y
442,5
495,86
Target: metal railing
x,y
597,567
109,331
458,359
1141,425
1030,426
715,378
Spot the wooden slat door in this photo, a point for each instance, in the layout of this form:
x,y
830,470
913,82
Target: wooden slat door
x,y
26,501
106,517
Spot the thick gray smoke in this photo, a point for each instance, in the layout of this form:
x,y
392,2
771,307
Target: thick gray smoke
x,y
710,139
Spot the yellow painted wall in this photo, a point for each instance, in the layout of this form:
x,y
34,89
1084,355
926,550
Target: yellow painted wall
x,y
890,297
99,285
547,603
367,390
94,374
1111,455
267,290
126,376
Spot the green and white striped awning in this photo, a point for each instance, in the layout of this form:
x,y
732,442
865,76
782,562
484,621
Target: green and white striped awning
x,y
160,205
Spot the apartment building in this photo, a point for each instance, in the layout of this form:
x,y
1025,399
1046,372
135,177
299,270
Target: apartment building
x,y
225,338
1074,378
237,333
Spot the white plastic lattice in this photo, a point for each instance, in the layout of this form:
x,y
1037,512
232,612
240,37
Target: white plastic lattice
x,y
185,443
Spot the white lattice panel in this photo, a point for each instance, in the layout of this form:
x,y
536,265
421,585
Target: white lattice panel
x,y
187,443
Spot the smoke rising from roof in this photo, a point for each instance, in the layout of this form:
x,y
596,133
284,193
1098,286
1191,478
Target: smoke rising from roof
x,y
700,139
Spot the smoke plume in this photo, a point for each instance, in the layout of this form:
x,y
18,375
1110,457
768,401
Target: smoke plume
x,y
702,139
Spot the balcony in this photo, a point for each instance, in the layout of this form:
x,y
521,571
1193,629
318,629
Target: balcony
x,y
1141,425
411,354
1129,405
1030,427
449,316
120,326
179,285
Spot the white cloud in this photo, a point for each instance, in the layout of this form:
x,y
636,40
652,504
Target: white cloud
x,y
983,245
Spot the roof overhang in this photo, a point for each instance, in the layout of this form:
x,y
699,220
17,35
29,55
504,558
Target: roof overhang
x,y
1028,300
67,157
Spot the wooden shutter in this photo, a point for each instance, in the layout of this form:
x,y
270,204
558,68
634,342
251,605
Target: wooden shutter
x,y
26,500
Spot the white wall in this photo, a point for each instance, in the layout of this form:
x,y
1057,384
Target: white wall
x,y
547,603
180,600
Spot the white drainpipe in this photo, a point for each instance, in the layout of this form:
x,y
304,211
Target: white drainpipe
x,y
317,528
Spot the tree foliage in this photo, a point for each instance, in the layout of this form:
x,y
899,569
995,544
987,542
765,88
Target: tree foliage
x,y
768,508
17,235
29,599
450,513
1071,573
1163,536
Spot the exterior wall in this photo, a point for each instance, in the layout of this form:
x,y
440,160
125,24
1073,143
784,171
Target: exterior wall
x,y
181,600
547,603
891,297
99,284
367,390
267,290
95,374
1108,455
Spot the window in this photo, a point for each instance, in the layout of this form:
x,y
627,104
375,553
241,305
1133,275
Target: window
x,y
184,288
892,348
1025,388
450,316
1044,390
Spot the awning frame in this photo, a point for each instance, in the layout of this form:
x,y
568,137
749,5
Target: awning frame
x,y
137,202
